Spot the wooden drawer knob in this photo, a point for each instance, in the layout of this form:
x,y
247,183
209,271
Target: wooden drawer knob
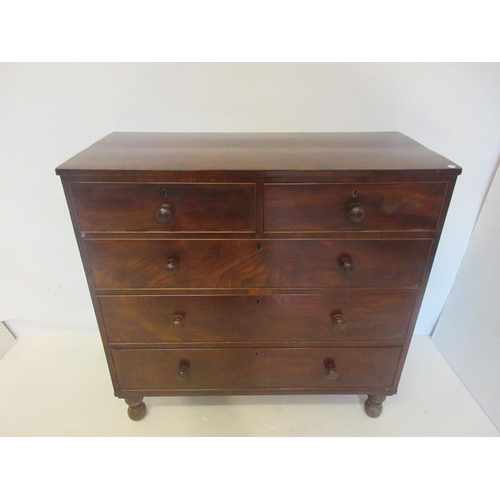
x,y
165,213
347,265
355,212
331,371
171,267
183,370
339,322
177,323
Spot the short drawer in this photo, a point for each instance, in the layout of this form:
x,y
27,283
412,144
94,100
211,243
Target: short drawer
x,y
353,207
164,207
210,264
353,318
259,368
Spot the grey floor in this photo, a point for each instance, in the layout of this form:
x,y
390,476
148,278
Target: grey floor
x,y
55,387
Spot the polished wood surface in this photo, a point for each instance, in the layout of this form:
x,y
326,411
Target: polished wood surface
x,y
212,369
257,263
195,207
325,207
371,151
137,264
250,319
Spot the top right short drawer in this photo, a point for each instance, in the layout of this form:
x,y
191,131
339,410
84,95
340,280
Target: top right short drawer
x,y
329,207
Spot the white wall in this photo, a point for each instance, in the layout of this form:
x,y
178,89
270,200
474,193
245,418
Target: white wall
x,y
468,332
49,112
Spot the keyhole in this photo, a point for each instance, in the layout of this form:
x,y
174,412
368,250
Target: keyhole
x,y
164,193
259,248
354,193
258,301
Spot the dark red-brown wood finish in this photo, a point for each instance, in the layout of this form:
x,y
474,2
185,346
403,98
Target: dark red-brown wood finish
x,y
257,263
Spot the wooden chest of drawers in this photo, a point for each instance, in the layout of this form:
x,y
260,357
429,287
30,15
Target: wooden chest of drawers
x,y
257,263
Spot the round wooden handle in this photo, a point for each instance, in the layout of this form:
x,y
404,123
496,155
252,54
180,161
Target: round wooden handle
x,y
177,323
183,370
347,265
165,213
171,267
331,371
355,212
339,322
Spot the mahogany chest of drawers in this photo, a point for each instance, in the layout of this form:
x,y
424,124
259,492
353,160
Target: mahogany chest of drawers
x,y
257,263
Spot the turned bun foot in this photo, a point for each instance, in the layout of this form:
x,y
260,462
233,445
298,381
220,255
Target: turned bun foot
x,y
373,405
136,408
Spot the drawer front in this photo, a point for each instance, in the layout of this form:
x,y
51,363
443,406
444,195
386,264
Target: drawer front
x,y
212,369
183,207
135,264
353,207
248,318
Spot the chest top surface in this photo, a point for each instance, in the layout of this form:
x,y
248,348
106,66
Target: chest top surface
x,y
360,152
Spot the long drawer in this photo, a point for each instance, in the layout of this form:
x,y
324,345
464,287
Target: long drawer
x,y
176,264
197,207
353,318
273,368
353,207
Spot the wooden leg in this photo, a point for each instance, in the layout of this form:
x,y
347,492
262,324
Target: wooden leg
x,y
373,405
136,408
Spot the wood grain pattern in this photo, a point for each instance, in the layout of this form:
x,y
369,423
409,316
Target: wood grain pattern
x,y
257,263
139,264
256,318
322,207
197,207
212,369
371,151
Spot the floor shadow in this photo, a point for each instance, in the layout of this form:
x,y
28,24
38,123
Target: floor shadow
x,y
281,400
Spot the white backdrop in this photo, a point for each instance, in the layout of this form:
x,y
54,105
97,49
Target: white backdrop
x,y
49,112
467,332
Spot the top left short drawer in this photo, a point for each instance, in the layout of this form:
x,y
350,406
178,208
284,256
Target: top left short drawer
x,y
168,207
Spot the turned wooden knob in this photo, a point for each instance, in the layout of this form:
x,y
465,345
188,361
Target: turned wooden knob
x,y
171,267
183,370
331,372
339,322
177,323
165,213
355,212
347,265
